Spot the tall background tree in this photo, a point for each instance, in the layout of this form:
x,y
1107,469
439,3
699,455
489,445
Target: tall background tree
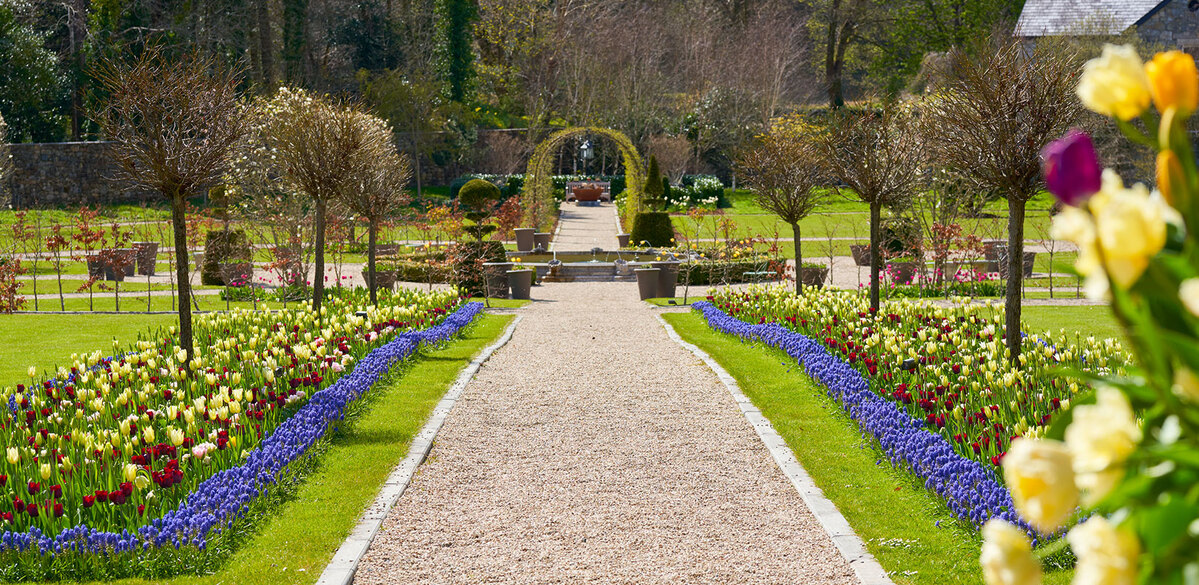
x,y
877,155
322,149
783,170
455,47
379,193
998,107
176,125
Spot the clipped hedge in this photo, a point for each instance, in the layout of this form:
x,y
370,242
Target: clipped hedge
x,y
726,271
652,228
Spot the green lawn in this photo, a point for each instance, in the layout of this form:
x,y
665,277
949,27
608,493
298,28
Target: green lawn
x,y
47,341
1085,321
904,526
293,543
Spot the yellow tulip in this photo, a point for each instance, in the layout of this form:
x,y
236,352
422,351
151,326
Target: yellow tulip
x,y
14,455
1174,81
45,470
129,472
1115,83
1101,437
1041,479
1007,556
1106,555
1169,175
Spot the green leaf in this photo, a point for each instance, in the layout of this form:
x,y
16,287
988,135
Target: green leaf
x,y
1162,525
1057,430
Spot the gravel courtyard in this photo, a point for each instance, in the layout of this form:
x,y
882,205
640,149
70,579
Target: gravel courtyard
x,y
593,449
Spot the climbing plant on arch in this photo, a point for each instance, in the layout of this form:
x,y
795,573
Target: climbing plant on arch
x,y
537,199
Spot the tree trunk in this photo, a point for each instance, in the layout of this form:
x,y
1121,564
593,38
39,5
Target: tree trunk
x,y
798,259
876,211
371,239
266,45
1015,275
181,274
318,279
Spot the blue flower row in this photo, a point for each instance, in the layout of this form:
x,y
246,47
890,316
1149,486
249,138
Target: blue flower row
x,y
222,499
971,491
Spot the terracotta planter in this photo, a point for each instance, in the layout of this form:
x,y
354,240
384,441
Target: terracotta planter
x,y
647,282
622,240
813,275
903,272
384,279
521,283
541,240
524,239
497,279
668,278
861,254
237,273
147,257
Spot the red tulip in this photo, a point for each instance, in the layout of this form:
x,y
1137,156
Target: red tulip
x,y
34,487
58,511
18,504
89,501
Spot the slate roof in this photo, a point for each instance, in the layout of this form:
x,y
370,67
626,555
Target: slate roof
x,y
1063,17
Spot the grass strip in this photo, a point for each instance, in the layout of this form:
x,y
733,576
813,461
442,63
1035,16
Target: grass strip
x,y
910,532
294,542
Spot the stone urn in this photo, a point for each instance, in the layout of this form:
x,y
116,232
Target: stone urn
x,y
237,273
622,240
497,278
861,254
541,241
668,278
813,275
524,239
521,283
147,257
903,272
647,282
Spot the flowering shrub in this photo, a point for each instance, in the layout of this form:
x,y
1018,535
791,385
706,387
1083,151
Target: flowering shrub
x,y
129,453
957,381
1130,452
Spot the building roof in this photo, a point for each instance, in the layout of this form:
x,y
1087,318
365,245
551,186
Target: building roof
x,y
1072,17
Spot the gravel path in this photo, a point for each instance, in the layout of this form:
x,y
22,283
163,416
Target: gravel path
x,y
583,227
593,449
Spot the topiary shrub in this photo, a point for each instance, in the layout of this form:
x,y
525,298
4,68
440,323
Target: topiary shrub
x,y
220,247
479,198
652,228
457,184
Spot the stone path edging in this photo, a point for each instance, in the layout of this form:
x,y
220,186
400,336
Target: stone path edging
x,y
341,569
864,565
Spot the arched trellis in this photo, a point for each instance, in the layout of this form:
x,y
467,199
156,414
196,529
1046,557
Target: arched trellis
x,y
537,199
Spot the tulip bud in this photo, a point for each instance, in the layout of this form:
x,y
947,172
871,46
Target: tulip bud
x,y
1174,81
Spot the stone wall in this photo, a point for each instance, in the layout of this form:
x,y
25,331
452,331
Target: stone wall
x,y
66,174
1173,26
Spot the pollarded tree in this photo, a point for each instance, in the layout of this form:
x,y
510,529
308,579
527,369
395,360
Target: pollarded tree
x,y
5,163
999,105
877,156
380,191
783,170
177,125
322,148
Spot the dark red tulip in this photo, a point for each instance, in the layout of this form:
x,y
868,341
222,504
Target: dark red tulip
x,y
89,501
19,505
34,487
1071,167
58,511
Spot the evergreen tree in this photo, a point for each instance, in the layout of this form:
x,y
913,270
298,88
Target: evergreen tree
x,y
454,47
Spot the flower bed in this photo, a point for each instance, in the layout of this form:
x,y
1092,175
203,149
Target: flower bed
x,y
950,413
123,455
957,380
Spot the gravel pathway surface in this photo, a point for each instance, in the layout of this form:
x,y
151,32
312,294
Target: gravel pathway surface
x,y
593,449
583,227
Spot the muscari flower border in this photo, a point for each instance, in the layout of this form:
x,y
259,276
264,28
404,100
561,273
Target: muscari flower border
x,y
971,491
228,495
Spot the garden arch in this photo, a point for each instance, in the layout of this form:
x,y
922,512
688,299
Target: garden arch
x,y
537,199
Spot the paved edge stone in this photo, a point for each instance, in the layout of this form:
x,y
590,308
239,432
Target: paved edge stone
x,y
864,565
343,565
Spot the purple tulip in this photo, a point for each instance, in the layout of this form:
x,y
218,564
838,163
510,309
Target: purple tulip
x,y
1071,167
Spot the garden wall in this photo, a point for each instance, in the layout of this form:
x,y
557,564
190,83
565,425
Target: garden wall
x,y
66,174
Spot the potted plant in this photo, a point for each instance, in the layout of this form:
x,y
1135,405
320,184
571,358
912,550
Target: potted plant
x,y
814,274
647,281
668,277
903,269
520,280
147,257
